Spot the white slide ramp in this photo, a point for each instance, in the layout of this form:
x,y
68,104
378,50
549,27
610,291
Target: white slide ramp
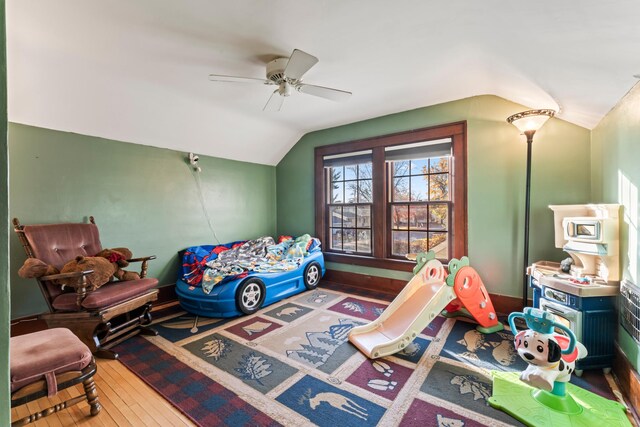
x,y
421,300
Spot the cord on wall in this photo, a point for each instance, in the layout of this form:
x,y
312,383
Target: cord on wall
x,y
195,171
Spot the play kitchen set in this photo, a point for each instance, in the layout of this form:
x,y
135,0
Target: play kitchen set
x,y
581,291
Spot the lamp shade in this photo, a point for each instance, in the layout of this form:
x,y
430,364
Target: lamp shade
x,y
531,120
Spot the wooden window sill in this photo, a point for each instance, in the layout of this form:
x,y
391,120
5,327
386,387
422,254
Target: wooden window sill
x,y
386,263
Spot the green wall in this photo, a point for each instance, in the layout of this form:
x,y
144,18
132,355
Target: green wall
x,y
496,182
5,413
142,197
616,178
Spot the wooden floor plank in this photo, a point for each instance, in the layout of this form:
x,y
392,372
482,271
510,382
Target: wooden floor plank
x,y
147,419
126,401
73,411
158,408
159,405
119,400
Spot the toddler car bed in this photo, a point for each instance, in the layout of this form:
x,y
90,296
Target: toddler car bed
x,y
241,277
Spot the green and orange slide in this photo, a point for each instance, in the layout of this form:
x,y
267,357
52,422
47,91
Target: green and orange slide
x,y
430,292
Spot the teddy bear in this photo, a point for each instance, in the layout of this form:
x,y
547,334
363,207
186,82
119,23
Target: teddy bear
x,y
119,257
33,267
105,264
103,271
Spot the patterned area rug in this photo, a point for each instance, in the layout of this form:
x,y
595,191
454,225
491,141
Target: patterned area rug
x,y
292,364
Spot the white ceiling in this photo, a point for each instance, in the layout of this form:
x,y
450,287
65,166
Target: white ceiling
x,y
137,70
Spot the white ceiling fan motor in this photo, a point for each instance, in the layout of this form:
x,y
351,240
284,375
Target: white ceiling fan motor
x,y
275,70
286,73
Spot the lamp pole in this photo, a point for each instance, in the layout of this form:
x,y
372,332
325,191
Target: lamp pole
x,y
525,284
528,122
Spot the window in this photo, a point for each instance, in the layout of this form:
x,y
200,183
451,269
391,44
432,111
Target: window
x,y
349,208
381,198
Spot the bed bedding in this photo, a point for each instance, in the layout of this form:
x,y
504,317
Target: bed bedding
x,y
209,265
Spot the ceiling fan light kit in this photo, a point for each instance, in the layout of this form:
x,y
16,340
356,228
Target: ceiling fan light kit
x,y
287,74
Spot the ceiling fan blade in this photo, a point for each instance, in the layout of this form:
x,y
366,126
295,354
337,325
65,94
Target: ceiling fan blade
x,y
299,63
236,79
324,92
275,102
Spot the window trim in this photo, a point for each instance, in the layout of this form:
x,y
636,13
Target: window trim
x,y
456,131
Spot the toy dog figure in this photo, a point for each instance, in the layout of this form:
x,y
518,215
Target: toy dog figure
x,y
543,353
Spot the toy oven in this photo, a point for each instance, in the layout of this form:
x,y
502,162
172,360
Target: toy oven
x,y
568,316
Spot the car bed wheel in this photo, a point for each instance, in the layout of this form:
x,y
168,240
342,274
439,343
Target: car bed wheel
x,y
312,275
250,295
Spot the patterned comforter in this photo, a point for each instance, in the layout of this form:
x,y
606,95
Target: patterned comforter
x,y
209,265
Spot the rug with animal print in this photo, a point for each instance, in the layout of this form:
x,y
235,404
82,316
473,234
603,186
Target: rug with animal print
x,y
291,364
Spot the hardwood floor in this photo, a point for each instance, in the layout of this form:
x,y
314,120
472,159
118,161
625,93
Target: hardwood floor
x,y
126,401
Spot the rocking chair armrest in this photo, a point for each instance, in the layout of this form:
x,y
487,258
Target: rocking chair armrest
x,y
144,258
143,267
62,276
79,285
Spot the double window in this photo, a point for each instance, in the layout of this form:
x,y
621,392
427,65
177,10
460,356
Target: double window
x,y
381,198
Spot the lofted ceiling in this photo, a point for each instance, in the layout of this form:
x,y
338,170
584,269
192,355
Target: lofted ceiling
x,y
137,70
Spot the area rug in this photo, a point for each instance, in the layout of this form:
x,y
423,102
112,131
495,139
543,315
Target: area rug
x,y
292,364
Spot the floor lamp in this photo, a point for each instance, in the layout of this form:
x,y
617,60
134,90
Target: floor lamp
x,y
528,122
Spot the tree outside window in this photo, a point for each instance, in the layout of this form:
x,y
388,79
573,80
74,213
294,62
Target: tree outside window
x,y
378,199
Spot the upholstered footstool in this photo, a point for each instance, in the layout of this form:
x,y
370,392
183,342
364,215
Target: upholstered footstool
x,y
41,363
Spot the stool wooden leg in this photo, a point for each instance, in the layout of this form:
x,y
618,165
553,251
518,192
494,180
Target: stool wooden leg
x,y
58,407
92,395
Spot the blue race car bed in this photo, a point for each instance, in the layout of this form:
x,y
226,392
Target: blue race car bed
x,y
241,277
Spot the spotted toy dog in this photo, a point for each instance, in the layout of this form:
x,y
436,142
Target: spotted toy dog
x,y
543,353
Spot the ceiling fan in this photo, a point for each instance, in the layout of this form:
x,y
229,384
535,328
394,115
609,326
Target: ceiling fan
x,y
286,73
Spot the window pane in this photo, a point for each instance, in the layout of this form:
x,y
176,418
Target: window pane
x,y
400,243
351,191
364,217
439,243
419,188
337,173
439,164
401,168
400,190
419,167
351,172
418,242
418,217
337,192
349,239
364,241
439,186
364,171
365,191
438,217
399,217
336,216
349,216
336,239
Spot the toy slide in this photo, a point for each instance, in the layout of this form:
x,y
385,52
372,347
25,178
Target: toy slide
x,y
421,300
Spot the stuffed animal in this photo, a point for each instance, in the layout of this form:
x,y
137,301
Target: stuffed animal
x,y
105,264
102,268
33,267
119,257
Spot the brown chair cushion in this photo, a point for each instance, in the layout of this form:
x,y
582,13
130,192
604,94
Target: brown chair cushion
x,y
108,295
38,355
57,244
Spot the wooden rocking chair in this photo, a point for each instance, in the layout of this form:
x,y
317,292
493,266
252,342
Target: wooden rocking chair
x,y
101,318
